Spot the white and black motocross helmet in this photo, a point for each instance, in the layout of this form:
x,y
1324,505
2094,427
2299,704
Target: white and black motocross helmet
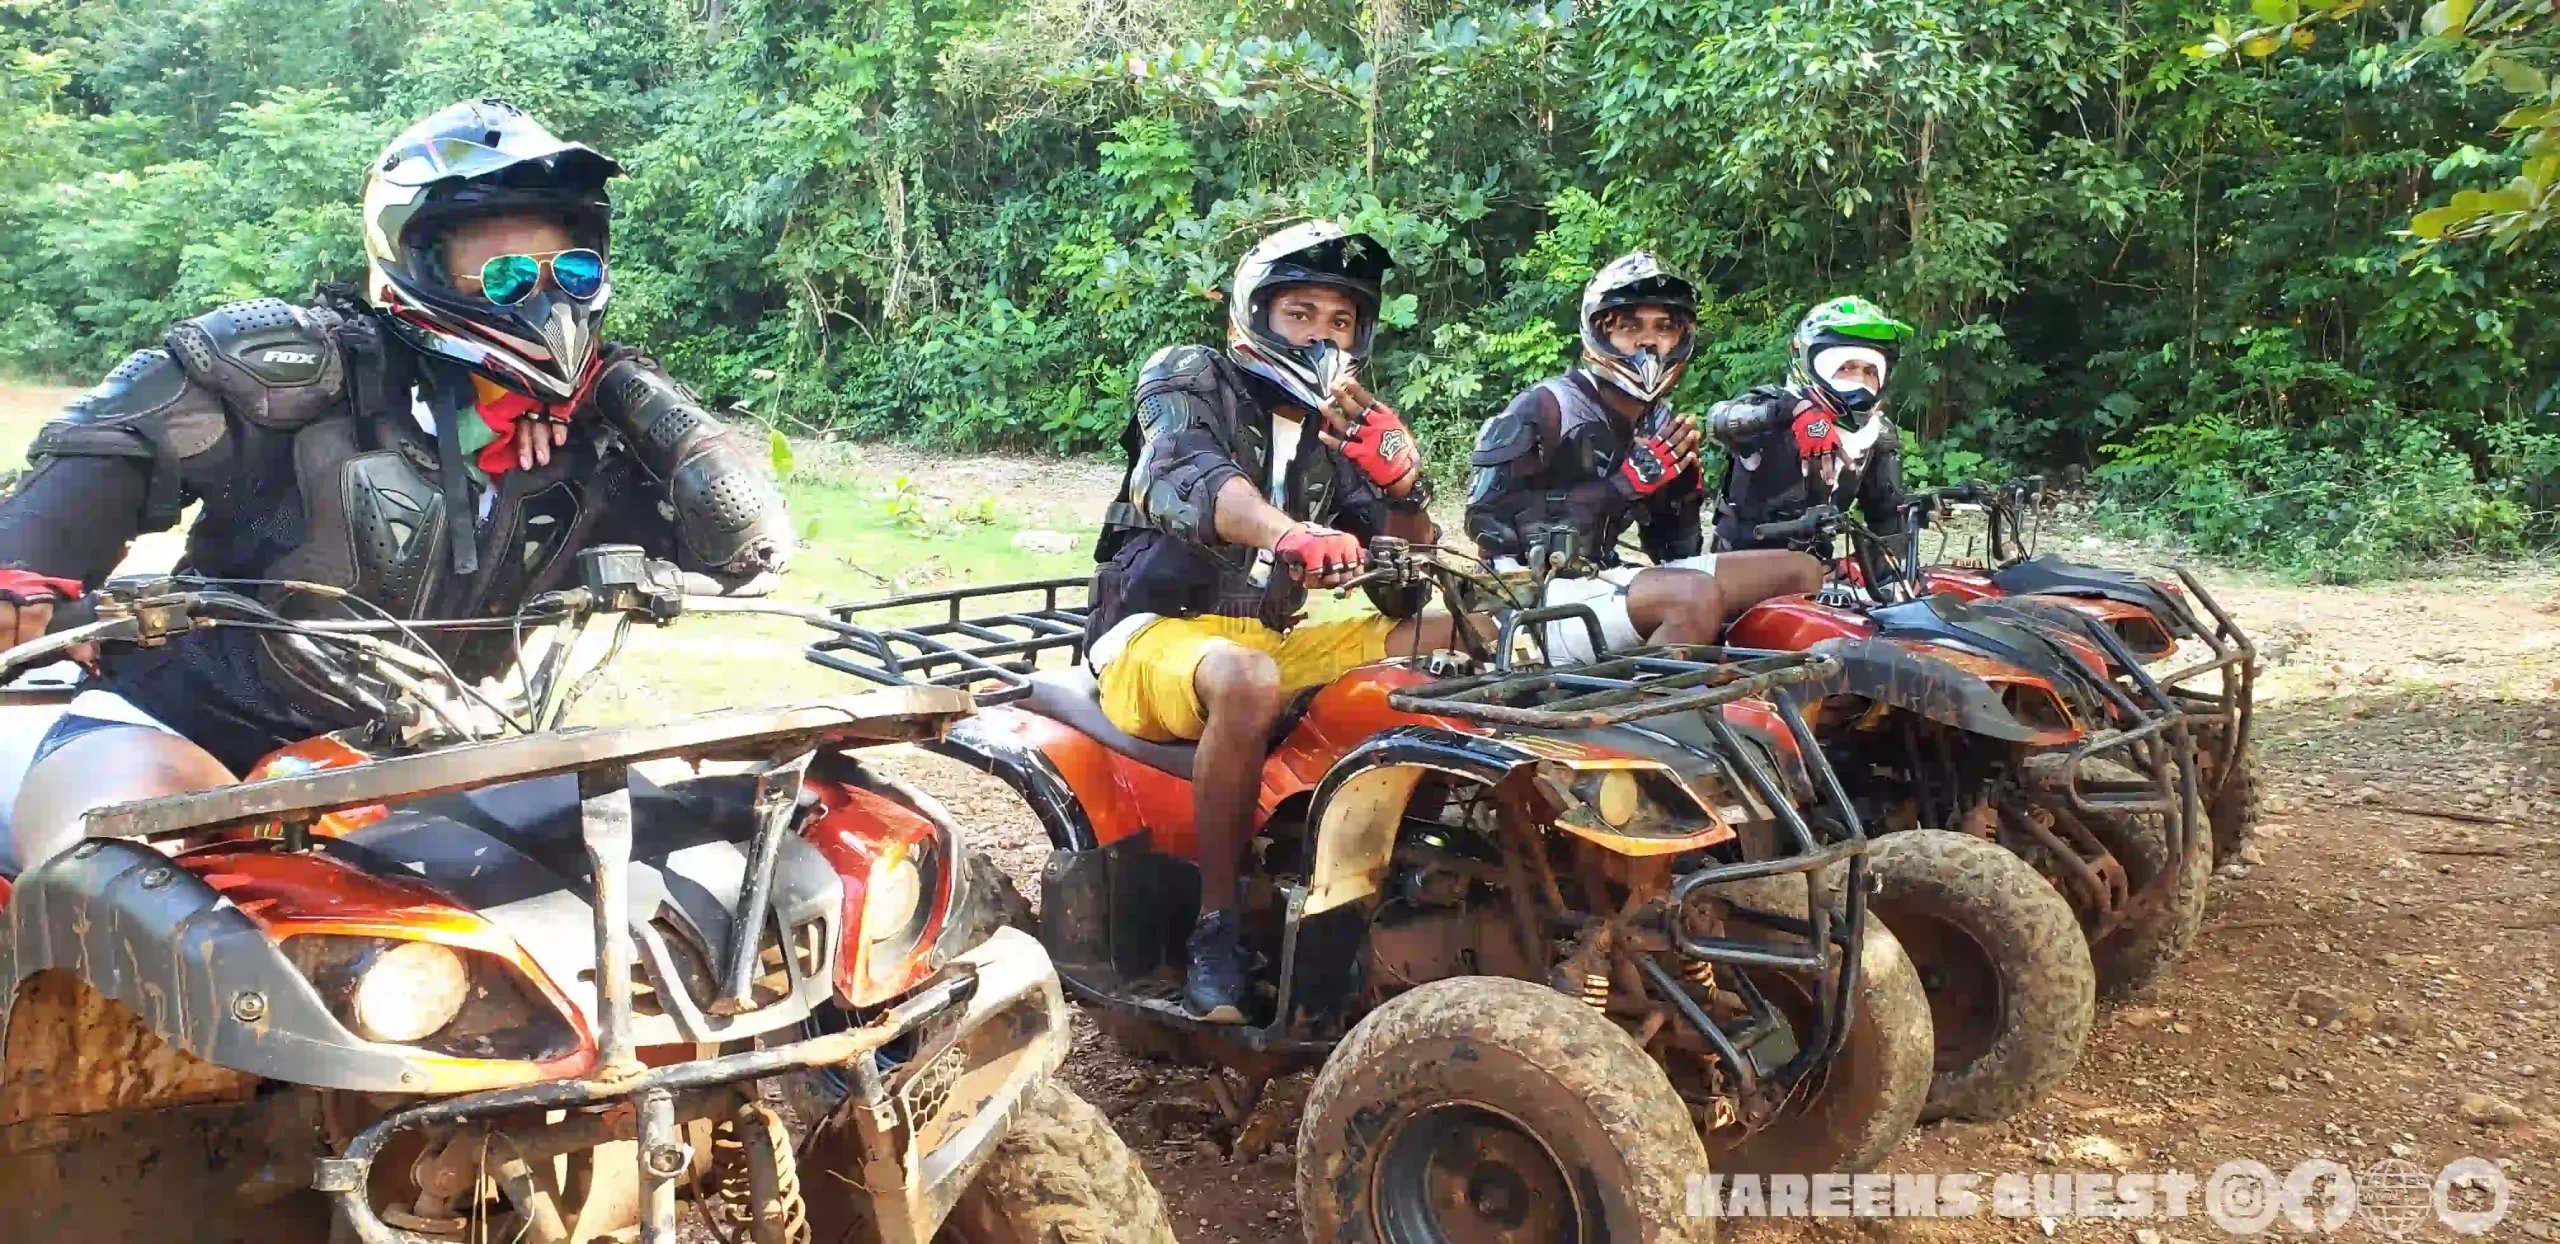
x,y
1637,279
1317,252
478,158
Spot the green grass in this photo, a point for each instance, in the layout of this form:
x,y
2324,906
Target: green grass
x,y
860,540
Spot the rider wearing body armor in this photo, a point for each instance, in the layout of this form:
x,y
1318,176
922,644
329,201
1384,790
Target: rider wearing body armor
x,y
1576,460
441,447
1254,474
1788,446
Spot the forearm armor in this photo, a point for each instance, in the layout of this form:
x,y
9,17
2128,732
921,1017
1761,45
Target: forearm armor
x,y
1737,421
730,521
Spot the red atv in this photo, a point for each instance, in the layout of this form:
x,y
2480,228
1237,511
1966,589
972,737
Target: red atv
x,y
460,976
2034,815
1542,928
2154,618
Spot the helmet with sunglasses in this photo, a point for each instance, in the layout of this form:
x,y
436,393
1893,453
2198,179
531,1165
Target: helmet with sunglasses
x,y
1632,280
1316,252
1835,334
528,322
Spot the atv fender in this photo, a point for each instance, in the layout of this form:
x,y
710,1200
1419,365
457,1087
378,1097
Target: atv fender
x,y
1065,776
2052,576
1360,804
1909,676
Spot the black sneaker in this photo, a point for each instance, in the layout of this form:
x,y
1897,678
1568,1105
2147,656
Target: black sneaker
x,y
1214,987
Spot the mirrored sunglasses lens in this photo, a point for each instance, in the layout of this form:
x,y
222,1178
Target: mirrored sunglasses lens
x,y
580,273
509,279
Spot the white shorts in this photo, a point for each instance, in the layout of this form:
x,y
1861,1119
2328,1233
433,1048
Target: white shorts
x,y
1568,640
24,727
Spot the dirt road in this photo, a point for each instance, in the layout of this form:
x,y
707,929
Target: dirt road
x,y
2383,983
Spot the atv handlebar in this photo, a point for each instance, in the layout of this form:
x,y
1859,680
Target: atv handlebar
x,y
1820,520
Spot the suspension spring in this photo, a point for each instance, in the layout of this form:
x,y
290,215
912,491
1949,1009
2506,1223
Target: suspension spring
x,y
1595,991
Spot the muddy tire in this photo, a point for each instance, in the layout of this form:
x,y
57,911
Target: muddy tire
x,y
2233,811
2139,952
1060,1176
2011,989
1867,1100
1481,1108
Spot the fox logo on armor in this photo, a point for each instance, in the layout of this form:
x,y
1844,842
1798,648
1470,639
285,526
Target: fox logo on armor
x,y
288,356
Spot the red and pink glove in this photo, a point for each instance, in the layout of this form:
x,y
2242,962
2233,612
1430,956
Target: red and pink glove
x,y
26,587
1382,447
1312,551
1650,465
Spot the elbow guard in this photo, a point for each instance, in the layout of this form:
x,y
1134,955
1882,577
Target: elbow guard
x,y
147,410
729,518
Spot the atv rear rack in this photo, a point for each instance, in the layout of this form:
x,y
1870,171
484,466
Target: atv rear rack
x,y
1647,682
967,648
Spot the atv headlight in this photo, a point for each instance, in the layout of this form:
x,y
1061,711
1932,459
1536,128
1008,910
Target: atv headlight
x,y
896,894
408,993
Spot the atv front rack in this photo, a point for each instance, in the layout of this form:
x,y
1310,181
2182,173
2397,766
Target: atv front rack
x,y
990,651
1647,682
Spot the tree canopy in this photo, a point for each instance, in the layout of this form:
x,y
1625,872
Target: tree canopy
x,y
2269,274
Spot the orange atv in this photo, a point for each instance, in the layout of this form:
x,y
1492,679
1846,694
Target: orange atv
x,y
1542,928
465,976
2214,681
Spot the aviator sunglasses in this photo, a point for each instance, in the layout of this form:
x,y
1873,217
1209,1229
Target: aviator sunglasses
x,y
509,279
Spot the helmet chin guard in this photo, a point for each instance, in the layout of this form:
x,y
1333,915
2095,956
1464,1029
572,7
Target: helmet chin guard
x,y
473,160
1315,252
1637,279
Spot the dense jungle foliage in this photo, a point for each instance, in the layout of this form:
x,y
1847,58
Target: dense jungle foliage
x,y
2164,241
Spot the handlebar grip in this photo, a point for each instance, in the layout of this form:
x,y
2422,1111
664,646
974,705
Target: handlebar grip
x,y
1789,529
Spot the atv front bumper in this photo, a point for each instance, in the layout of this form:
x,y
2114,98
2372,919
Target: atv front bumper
x,y
985,1032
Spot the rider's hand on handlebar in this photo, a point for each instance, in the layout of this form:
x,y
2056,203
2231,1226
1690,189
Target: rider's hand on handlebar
x,y
27,602
1317,555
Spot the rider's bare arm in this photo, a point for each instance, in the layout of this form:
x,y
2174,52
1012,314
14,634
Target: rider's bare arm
x,y
1244,516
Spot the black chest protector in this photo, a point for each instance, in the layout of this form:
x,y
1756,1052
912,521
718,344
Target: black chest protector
x,y
1509,514
320,471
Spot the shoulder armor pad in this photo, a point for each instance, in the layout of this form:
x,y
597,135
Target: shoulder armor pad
x,y
275,364
1191,369
147,388
1505,437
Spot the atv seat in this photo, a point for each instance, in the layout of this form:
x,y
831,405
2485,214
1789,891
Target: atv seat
x,y
1073,697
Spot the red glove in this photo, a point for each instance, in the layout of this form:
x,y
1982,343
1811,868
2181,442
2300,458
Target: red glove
x,y
26,587
1816,433
1311,551
1382,447
1647,468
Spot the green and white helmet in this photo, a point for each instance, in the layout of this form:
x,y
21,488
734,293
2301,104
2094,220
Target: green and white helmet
x,y
1835,334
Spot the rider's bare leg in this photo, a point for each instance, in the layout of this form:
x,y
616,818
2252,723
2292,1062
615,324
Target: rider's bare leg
x,y
1677,605
1241,699
1429,632
100,768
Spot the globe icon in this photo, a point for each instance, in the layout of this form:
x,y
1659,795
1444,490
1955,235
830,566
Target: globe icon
x,y
2394,1196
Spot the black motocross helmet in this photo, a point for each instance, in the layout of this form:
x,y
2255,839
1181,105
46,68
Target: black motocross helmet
x,y
481,158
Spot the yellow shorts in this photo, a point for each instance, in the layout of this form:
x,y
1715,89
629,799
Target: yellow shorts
x,y
1147,689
